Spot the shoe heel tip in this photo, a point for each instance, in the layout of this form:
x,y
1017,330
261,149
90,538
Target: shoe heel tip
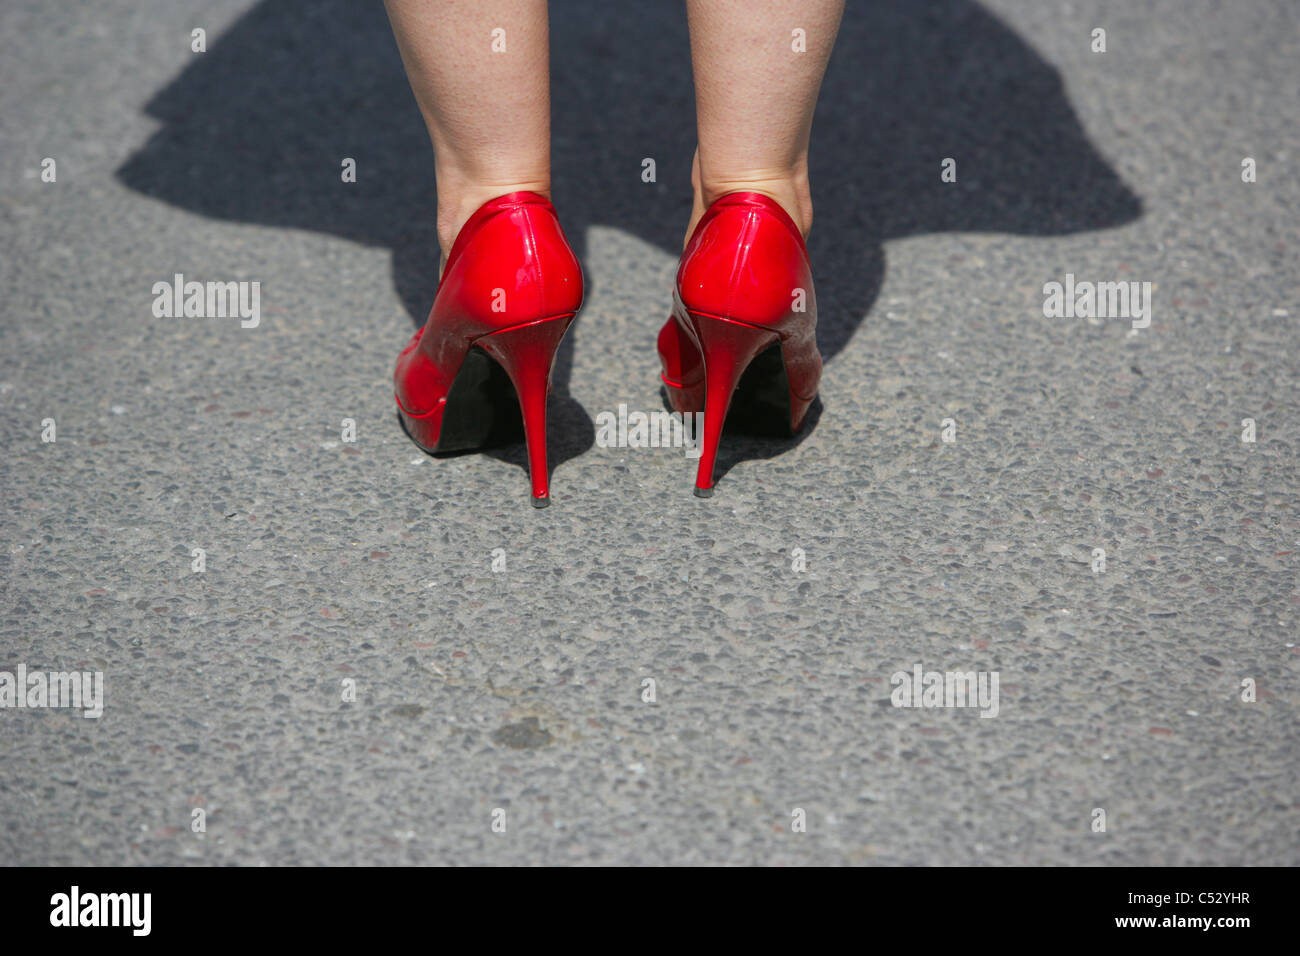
x,y
703,492
542,502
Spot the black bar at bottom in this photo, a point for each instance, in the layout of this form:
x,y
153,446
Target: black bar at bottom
x,y
342,905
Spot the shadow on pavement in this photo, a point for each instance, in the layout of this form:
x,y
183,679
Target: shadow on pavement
x,y
255,131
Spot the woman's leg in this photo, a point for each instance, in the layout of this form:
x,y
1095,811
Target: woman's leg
x,y
755,94
480,71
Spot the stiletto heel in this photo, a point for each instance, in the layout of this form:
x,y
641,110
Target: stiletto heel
x,y
481,365
727,348
743,323
527,353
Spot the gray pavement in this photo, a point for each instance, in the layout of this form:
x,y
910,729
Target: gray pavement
x,y
521,688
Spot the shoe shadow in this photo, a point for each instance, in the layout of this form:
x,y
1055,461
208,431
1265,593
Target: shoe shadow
x,y
257,128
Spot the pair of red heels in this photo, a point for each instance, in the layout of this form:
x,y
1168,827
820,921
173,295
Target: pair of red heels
x,y
511,287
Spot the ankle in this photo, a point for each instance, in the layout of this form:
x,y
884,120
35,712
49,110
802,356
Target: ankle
x,y
456,205
788,188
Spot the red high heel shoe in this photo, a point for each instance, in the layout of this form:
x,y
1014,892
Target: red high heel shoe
x,y
743,324
508,293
